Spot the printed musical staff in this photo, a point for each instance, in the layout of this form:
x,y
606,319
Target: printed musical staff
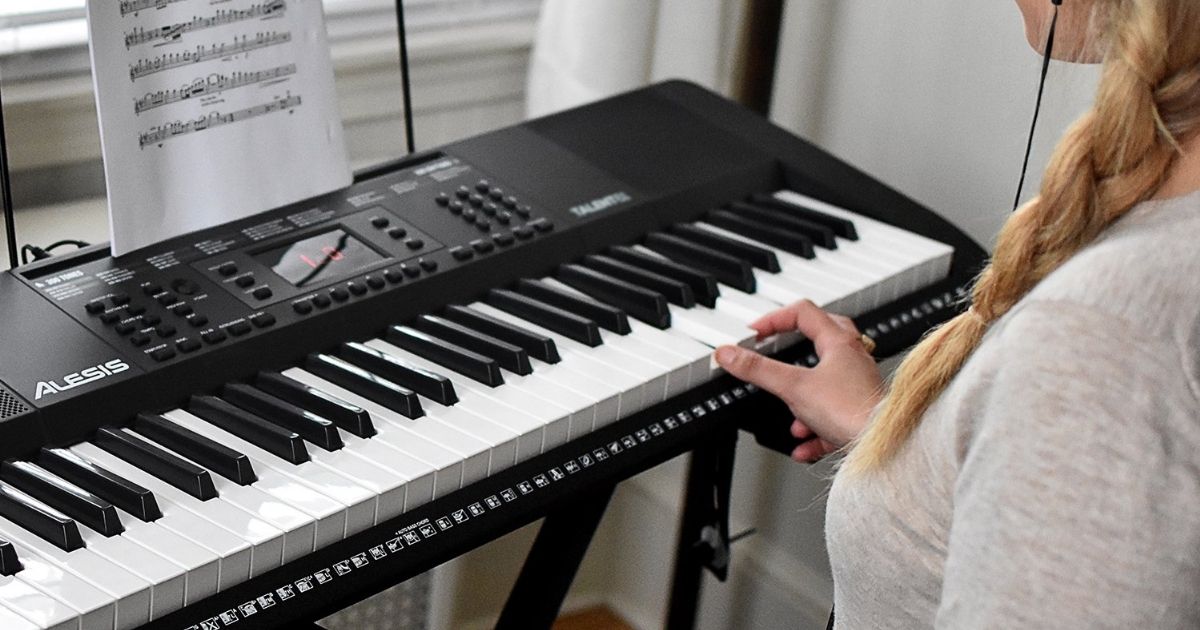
x,y
202,53
214,84
174,32
136,6
159,135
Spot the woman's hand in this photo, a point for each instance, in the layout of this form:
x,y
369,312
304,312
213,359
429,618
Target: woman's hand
x,y
832,401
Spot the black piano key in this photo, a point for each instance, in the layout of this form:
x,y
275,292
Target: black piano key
x,y
168,467
642,303
113,488
40,519
347,416
538,346
676,292
842,227
510,356
820,234
428,384
457,358
730,270
66,497
287,445
308,425
757,256
375,388
704,285
211,454
9,563
771,234
606,316
565,323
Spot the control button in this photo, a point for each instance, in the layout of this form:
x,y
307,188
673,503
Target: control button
x,y
94,308
442,199
475,200
152,288
125,328
509,202
185,286
483,224
496,194
214,336
167,299
455,207
524,232
139,339
503,240
393,276
412,271
524,211
151,320
463,192
110,317
162,354
542,225
482,246
263,320
462,253
183,310
187,345
304,307
321,301
414,243
428,265
397,233
165,330
339,294
227,269
380,222
135,309
483,185
468,214
245,281
504,217
375,282
120,299
490,209
197,320
237,329
357,288
263,293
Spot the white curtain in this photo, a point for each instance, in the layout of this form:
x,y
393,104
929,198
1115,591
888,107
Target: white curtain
x,y
589,49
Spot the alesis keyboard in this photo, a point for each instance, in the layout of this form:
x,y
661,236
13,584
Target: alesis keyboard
x,y
258,423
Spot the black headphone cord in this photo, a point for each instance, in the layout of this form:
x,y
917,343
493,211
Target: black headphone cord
x,y
1037,108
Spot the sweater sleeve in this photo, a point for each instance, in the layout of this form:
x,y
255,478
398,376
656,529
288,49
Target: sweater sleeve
x,y
1077,503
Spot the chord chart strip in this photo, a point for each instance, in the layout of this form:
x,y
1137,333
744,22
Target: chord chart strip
x,y
215,84
136,6
173,32
202,53
161,134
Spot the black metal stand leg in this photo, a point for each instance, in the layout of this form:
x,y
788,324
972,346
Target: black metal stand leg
x,y
703,531
552,563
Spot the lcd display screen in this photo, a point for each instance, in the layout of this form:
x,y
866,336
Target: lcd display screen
x,y
319,258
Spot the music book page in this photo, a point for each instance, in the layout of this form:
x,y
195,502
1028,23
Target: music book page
x,y
212,110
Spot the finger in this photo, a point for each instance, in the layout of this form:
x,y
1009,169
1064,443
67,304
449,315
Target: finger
x,y
806,318
800,430
774,376
780,320
846,324
809,451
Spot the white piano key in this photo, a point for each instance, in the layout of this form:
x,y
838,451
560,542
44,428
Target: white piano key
x,y
42,610
92,607
202,566
167,580
358,503
10,620
236,550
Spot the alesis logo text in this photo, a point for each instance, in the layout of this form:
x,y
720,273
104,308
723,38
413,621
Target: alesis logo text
x,y
82,377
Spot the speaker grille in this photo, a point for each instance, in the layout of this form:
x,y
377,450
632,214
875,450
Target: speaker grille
x,y
10,405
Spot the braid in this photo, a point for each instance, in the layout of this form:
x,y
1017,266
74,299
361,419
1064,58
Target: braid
x,y
1115,156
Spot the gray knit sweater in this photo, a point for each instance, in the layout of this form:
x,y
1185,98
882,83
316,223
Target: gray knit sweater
x,y
1056,481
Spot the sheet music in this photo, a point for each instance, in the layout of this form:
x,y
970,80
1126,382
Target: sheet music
x,y
212,110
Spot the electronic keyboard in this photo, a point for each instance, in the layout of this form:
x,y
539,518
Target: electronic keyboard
x,y
262,422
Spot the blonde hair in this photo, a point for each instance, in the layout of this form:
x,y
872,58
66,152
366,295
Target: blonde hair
x,y
1115,156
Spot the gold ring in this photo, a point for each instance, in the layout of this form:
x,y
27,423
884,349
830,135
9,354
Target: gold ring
x,y
867,343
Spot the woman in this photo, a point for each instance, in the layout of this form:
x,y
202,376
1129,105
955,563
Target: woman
x,y
1036,462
